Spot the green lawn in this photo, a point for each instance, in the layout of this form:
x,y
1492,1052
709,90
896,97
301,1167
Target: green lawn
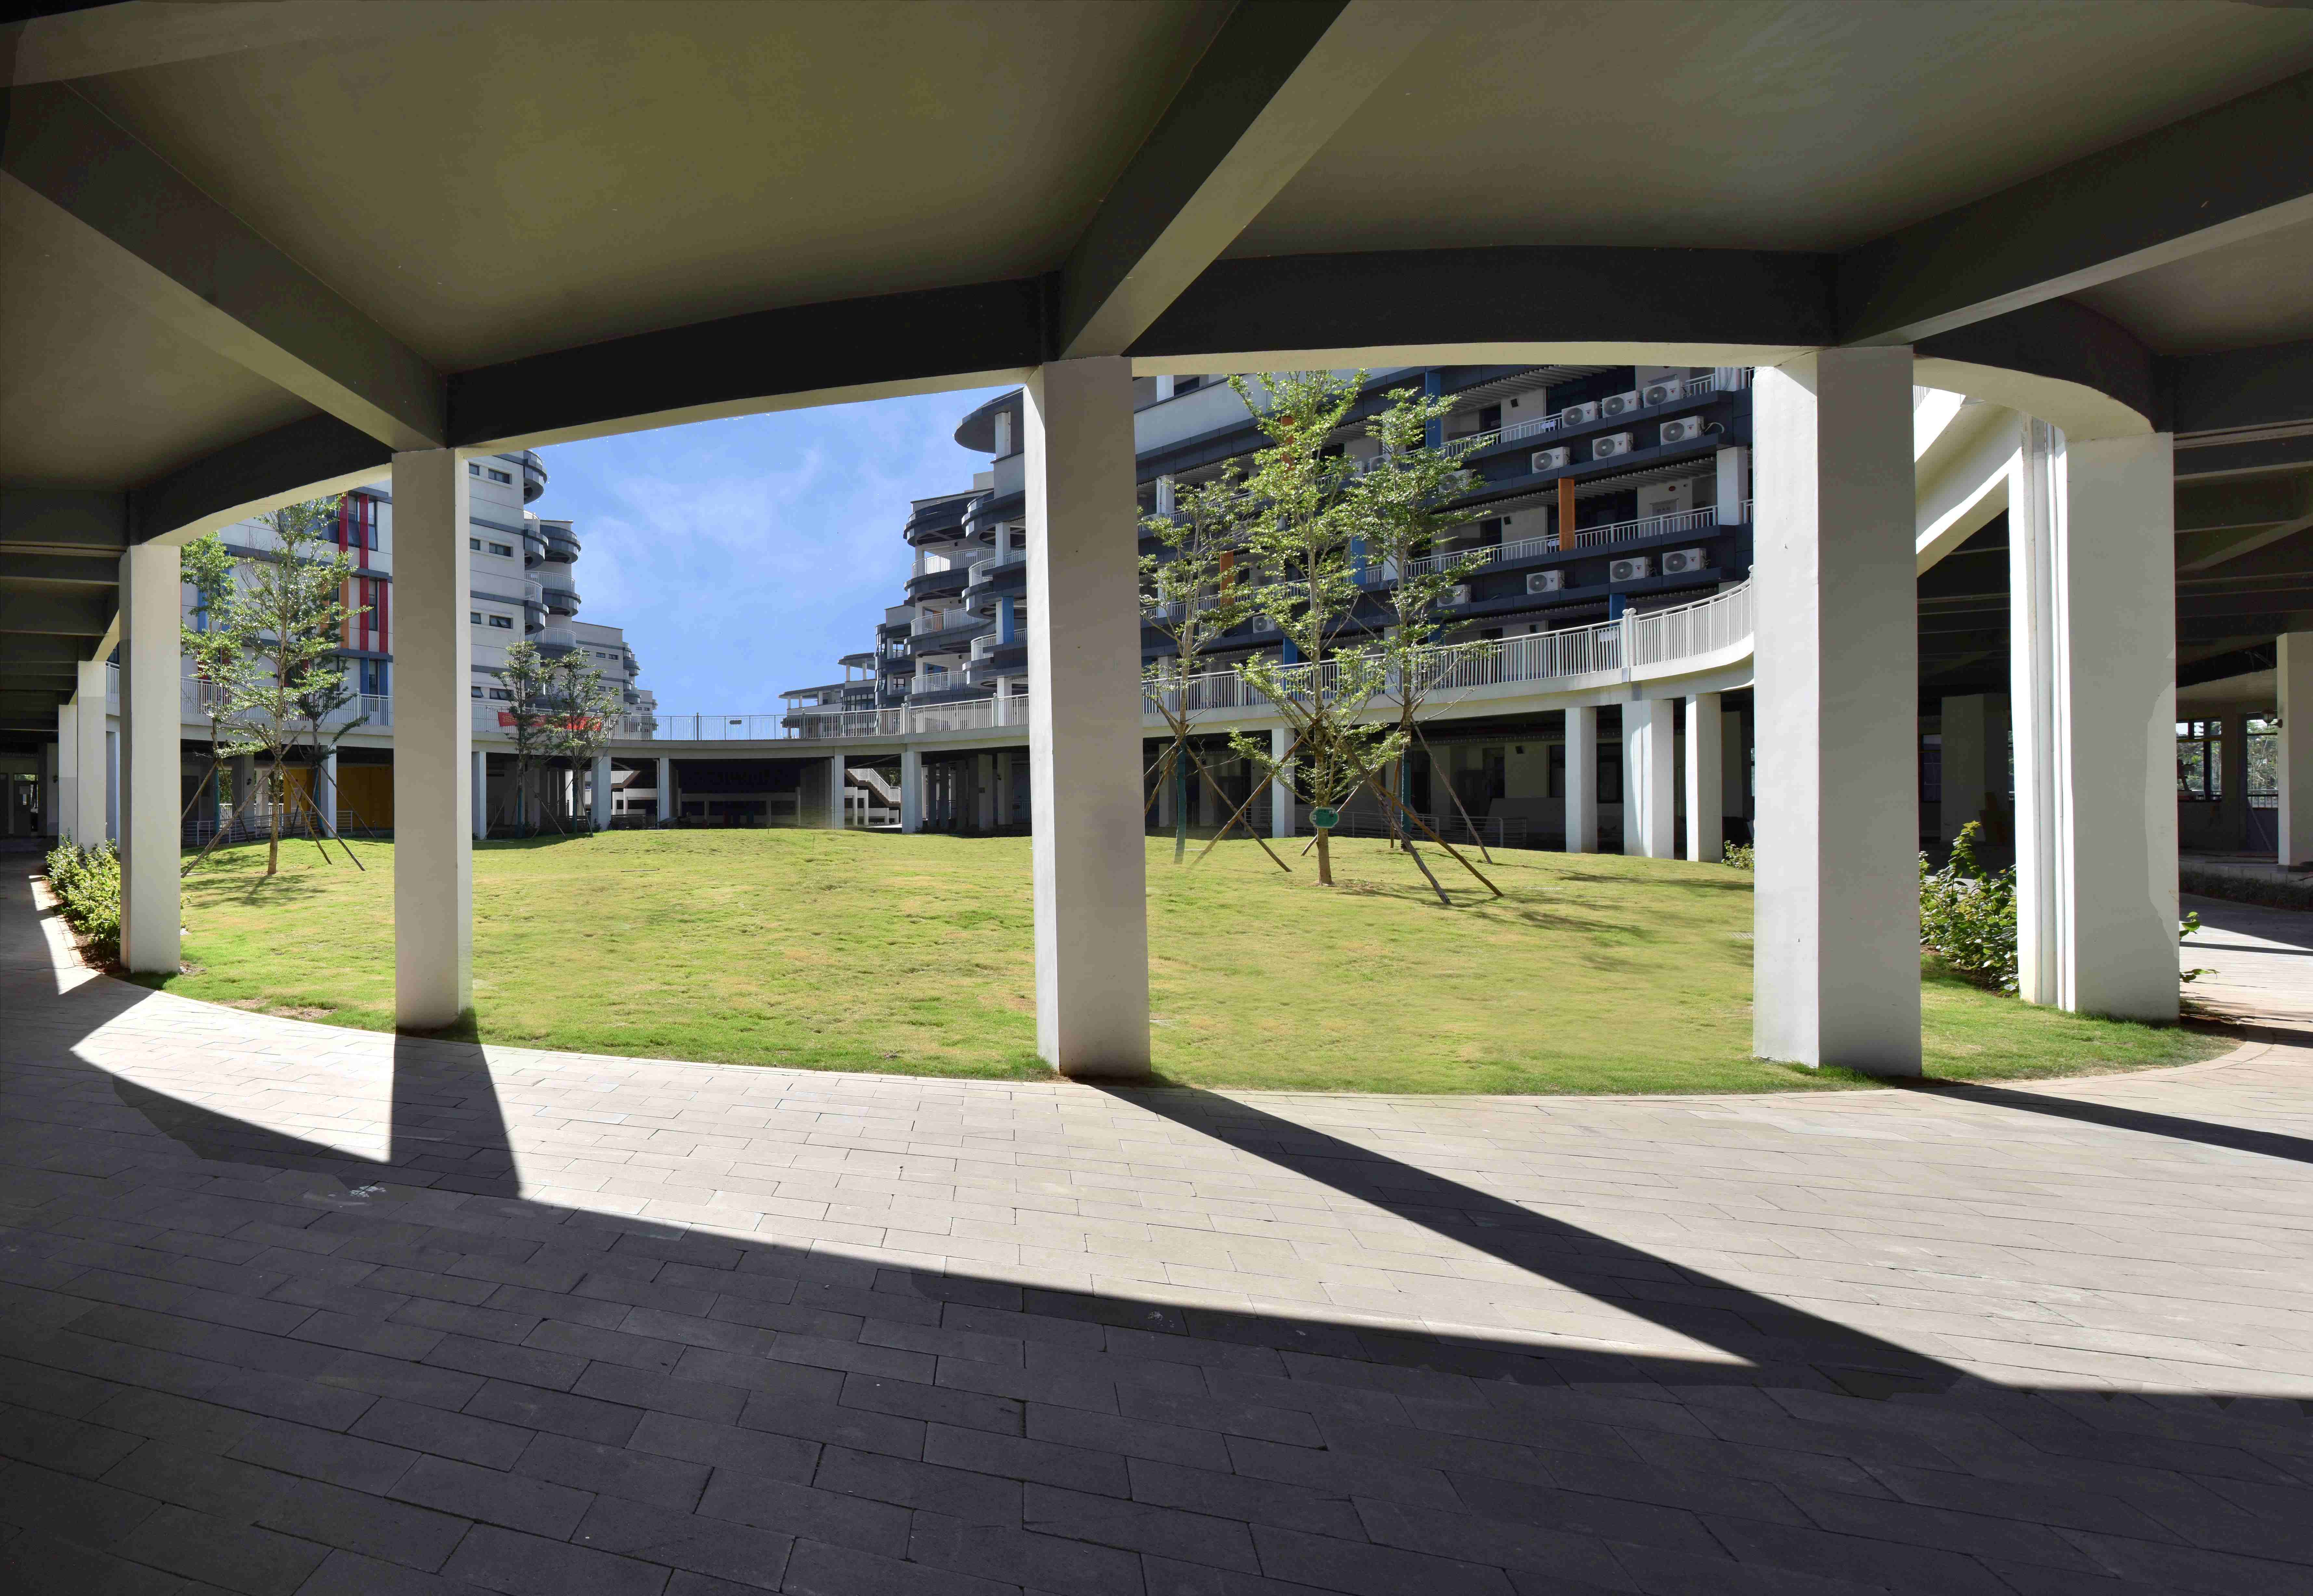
x,y
875,951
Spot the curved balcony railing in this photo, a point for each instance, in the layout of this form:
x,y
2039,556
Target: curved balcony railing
x,y
533,476
561,544
948,639
1700,523
1629,648
981,570
559,600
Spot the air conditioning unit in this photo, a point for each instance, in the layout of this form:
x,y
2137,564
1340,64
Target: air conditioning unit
x,y
1460,594
1685,562
1553,459
1619,404
1262,623
1638,568
1609,446
1545,581
1576,415
1686,429
1663,393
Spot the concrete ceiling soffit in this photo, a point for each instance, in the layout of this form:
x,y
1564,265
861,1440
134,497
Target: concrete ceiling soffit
x,y
1279,79
2245,390
2221,521
2234,172
78,186
98,40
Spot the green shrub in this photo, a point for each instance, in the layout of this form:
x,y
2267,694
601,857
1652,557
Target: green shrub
x,y
87,885
1967,919
1740,856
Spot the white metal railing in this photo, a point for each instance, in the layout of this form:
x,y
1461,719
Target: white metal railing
x,y
1676,524
982,569
1526,548
1632,643
1721,382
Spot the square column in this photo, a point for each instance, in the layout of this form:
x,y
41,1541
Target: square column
x,y
480,781
65,817
112,781
433,744
2093,600
835,785
1706,781
325,791
151,768
665,791
1582,779
92,763
2293,674
983,775
1649,813
1280,791
911,789
602,793
1084,723
1836,942
1966,762
2233,779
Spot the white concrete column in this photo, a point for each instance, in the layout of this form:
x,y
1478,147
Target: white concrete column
x,y
433,739
1649,774
479,784
602,792
983,775
92,757
51,807
2293,670
152,767
911,788
665,790
1582,779
835,785
325,790
2092,625
112,782
1966,762
1836,940
1168,807
1280,791
63,816
1084,725
1734,484
1706,765
1735,755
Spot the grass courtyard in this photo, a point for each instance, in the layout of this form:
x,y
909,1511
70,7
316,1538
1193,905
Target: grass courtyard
x,y
873,952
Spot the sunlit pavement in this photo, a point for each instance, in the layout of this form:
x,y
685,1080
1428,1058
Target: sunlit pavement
x,y
295,1308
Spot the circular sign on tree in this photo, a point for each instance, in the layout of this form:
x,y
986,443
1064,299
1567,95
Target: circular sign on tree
x,y
1324,820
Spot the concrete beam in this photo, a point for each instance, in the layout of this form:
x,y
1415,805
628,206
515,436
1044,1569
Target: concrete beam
x,y
79,186
2232,172
63,520
61,613
1278,82
57,570
98,40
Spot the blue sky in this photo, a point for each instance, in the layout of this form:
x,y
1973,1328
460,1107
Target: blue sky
x,y
744,556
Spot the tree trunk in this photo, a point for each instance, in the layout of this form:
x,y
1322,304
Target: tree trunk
x,y
1180,807
273,816
1324,857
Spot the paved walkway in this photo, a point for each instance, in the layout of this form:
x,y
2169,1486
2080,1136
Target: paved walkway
x,y
2260,960
291,1309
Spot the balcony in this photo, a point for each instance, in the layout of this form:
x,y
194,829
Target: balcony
x,y
1686,523
946,639
560,600
1683,391
533,476
944,584
561,542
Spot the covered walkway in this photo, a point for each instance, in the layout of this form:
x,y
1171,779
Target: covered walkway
x,y
295,1308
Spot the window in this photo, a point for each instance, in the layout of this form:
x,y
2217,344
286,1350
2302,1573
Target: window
x,y
475,544
502,695
2199,761
472,469
504,622
474,616
478,692
502,477
504,549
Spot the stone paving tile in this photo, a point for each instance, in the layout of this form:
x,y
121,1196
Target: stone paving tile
x,y
731,1329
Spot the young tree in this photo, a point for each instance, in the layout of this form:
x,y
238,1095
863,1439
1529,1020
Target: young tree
x,y
586,706
279,622
1190,594
1401,508
1297,532
211,570
529,678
